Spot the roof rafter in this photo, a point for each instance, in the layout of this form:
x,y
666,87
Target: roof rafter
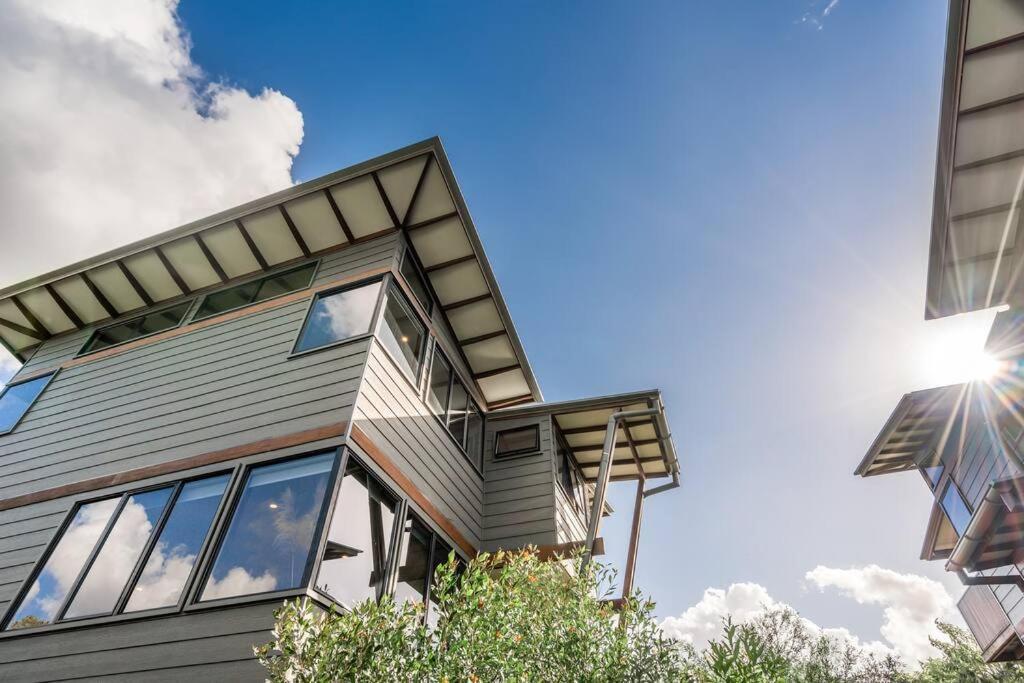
x,y
31,318
63,306
172,271
252,245
136,285
395,223
214,263
342,223
99,296
416,190
294,231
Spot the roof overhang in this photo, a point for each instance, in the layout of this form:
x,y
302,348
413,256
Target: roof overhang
x,y
411,190
912,431
977,248
644,447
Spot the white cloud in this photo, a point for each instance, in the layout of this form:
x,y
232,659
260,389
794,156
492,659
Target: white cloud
x,y
109,132
8,366
238,581
817,13
912,604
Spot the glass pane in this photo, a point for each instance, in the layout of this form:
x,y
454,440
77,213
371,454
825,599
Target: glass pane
x,y
956,509
440,378
285,283
475,435
457,412
521,440
412,568
441,552
270,536
338,316
117,558
359,540
402,334
565,473
17,399
52,584
175,552
934,473
228,299
151,323
412,276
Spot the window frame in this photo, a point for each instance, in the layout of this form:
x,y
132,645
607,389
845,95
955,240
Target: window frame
x,y
377,308
407,256
196,317
446,419
950,484
535,428
390,285
86,351
51,374
578,496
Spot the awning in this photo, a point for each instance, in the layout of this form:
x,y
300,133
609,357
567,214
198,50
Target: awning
x,y
412,190
912,431
643,447
995,535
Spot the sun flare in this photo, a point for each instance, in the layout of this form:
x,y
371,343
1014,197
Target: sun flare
x,y
957,354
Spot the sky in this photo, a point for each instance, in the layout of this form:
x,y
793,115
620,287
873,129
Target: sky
x,y
728,201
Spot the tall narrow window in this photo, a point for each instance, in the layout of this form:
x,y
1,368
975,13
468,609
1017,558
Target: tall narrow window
x,y
438,557
359,541
415,281
136,328
269,541
440,384
402,333
173,557
53,582
458,409
475,435
956,509
338,316
413,563
255,291
16,399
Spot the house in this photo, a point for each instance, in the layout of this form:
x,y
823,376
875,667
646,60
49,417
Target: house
x,y
320,393
965,440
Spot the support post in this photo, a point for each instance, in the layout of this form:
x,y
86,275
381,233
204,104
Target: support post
x,y
634,539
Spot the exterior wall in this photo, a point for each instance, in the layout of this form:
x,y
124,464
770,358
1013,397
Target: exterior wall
x,y
570,524
519,491
982,460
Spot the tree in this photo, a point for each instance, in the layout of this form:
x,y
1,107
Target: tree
x,y
507,616
961,661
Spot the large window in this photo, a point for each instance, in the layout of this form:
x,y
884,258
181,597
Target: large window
x,y
956,509
422,553
136,328
455,408
106,556
402,333
268,545
339,315
254,291
16,399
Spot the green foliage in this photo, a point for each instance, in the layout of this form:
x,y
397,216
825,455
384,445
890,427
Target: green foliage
x,y
507,616
961,661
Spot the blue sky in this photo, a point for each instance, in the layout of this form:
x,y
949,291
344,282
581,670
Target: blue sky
x,y
729,201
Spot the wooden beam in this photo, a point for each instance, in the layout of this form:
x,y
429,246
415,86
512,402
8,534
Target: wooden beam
x,y
466,302
100,297
294,231
497,371
416,190
21,329
634,538
31,317
602,427
431,221
509,402
63,306
620,444
172,271
252,245
387,202
342,223
211,259
139,289
468,341
448,264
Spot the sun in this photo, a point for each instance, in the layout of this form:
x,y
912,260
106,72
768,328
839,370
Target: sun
x,y
955,353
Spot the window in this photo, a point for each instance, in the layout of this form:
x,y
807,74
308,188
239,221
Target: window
x,y
422,553
339,315
136,328
517,441
415,280
105,556
402,334
454,407
16,399
255,291
569,475
956,509
359,542
269,542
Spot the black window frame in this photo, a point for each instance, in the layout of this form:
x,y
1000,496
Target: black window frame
x,y
348,286
196,313
51,375
434,539
390,287
189,304
408,257
578,495
535,428
445,419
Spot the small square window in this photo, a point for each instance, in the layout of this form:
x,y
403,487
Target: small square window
x,y
340,315
16,399
517,441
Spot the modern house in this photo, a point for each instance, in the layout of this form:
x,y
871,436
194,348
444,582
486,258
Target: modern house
x,y
966,440
320,393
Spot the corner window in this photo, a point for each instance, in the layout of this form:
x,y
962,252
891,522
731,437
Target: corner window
x,y
422,553
411,273
16,399
956,509
517,441
106,555
136,328
339,315
451,403
254,291
402,333
269,542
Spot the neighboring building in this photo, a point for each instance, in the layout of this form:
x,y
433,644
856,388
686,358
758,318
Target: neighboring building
x,y
320,393
966,440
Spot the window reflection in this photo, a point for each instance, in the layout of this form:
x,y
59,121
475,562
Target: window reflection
x,y
440,384
413,563
457,412
956,509
269,540
338,316
174,555
151,323
440,556
359,540
51,586
112,568
415,281
16,399
255,291
402,334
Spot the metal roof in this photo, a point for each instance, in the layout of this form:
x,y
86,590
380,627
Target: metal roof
x,y
412,190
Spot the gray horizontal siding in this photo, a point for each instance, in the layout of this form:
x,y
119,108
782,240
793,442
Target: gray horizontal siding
x,y
519,495
571,526
391,413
